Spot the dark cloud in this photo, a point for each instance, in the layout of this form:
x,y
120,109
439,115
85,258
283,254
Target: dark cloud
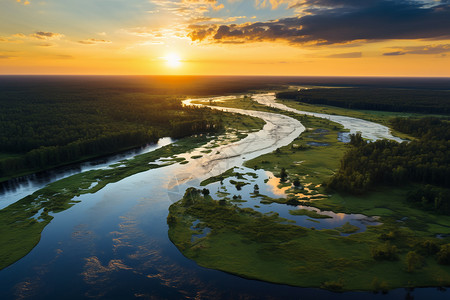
x,y
429,49
341,21
42,35
346,55
395,53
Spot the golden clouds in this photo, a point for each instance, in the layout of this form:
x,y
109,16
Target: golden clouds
x,y
24,2
94,42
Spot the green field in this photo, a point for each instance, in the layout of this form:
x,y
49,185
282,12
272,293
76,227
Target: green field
x,y
261,246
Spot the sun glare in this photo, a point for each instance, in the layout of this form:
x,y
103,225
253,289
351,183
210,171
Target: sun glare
x,y
173,60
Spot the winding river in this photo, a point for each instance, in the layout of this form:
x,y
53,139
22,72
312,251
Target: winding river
x,y
114,243
369,130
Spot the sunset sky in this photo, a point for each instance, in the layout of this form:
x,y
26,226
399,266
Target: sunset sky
x,y
226,37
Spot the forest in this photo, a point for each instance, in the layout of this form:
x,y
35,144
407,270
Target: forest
x,y
424,161
47,126
382,99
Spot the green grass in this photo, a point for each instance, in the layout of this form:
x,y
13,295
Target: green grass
x,y
347,228
258,246
228,173
376,116
309,213
240,123
389,203
8,155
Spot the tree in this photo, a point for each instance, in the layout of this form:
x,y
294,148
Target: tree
x,y
256,189
443,256
414,261
205,192
385,252
283,174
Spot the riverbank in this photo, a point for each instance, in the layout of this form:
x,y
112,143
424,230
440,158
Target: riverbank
x,y
241,241
22,222
237,122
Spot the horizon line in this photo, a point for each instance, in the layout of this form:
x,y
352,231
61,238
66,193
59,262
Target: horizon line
x,y
228,75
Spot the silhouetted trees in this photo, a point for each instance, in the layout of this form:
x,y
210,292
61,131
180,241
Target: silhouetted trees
x,y
405,100
443,256
44,129
283,175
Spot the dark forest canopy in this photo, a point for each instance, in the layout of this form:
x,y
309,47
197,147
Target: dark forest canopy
x,y
425,161
48,125
210,85
384,99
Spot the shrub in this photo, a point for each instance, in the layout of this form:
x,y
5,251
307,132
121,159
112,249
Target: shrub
x,y
333,285
205,192
443,256
414,261
171,219
427,247
385,252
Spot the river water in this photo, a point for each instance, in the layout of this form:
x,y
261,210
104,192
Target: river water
x,y
369,130
16,189
114,243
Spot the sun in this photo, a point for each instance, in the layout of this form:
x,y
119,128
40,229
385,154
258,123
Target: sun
x,y
173,60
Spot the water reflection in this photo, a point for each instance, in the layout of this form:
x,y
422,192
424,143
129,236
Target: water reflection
x,y
274,183
269,185
17,188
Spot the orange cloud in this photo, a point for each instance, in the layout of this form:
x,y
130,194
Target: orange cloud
x,y
25,2
94,42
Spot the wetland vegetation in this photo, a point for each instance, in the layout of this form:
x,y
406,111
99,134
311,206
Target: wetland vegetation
x,y
405,249
245,242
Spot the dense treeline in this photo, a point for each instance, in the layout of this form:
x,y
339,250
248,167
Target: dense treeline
x,y
39,128
425,161
397,100
428,128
